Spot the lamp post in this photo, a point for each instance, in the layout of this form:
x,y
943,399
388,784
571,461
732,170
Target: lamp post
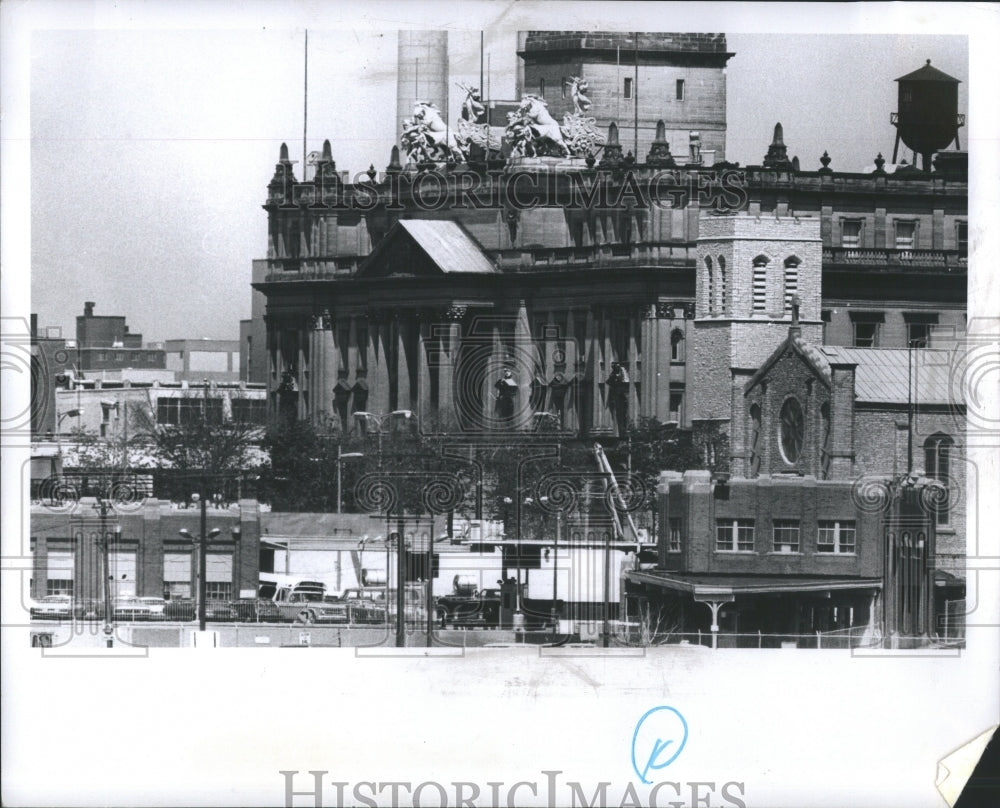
x,y
341,456
555,570
104,507
378,420
200,543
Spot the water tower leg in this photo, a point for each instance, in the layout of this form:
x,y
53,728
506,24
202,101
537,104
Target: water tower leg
x,y
895,149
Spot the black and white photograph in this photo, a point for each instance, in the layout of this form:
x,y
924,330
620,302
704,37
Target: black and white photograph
x,y
498,403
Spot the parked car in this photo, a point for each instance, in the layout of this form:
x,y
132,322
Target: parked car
x,y
180,609
52,607
131,608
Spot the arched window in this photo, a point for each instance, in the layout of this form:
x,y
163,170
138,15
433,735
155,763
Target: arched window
x,y
937,462
676,345
754,440
760,284
824,451
709,293
722,284
791,430
791,281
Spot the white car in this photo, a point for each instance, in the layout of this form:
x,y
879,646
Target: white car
x,y
136,608
52,607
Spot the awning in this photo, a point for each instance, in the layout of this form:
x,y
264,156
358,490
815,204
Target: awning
x,y
715,587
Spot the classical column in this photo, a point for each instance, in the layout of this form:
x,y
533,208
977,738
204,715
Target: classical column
x,y
378,369
525,361
450,343
404,325
424,346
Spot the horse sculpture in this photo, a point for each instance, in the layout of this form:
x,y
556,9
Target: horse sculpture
x,y
532,123
427,119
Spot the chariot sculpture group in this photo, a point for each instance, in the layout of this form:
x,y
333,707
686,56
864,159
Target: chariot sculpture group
x,y
531,130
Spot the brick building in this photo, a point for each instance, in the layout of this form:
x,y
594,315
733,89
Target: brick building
x,y
147,555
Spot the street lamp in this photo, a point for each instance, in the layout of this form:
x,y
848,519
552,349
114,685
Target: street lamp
x,y
555,569
104,507
340,457
378,419
200,543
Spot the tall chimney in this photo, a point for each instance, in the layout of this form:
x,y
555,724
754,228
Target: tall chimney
x,y
422,73
88,308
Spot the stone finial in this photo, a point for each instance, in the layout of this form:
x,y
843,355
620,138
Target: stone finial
x,y
777,152
659,152
327,151
795,163
394,166
879,162
283,153
371,172
825,160
612,155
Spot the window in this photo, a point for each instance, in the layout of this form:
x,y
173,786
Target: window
x,y
176,575
825,448
218,590
866,328
754,440
722,285
679,90
937,463
541,87
627,91
786,536
249,410
918,329
734,535
792,430
827,317
675,535
677,345
676,404
759,283
850,233
58,586
962,237
906,235
791,282
710,296
59,572
836,537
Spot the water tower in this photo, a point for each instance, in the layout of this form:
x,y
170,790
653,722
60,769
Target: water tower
x,y
928,118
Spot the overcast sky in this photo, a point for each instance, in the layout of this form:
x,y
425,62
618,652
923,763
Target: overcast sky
x,y
152,145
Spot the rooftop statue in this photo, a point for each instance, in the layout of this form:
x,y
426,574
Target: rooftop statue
x,y
427,138
577,89
473,109
473,128
532,131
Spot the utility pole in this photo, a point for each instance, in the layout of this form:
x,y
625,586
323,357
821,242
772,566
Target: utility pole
x,y
400,583
104,507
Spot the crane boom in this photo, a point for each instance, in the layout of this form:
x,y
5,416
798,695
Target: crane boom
x,y
604,466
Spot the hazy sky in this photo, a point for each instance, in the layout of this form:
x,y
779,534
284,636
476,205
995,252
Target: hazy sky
x,y
152,145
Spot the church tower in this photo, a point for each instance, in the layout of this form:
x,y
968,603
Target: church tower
x,y
750,271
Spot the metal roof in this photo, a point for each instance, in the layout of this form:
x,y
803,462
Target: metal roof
x,y
448,246
886,375
720,586
928,73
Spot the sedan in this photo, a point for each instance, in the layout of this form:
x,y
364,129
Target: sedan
x,y
52,607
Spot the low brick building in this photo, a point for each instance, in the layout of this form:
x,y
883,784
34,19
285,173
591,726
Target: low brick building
x,y
147,555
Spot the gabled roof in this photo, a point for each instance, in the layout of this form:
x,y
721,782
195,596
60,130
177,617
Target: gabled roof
x,y
885,375
449,248
809,352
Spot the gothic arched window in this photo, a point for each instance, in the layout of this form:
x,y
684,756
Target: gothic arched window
x,y
791,281
754,440
825,435
791,430
710,293
760,284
